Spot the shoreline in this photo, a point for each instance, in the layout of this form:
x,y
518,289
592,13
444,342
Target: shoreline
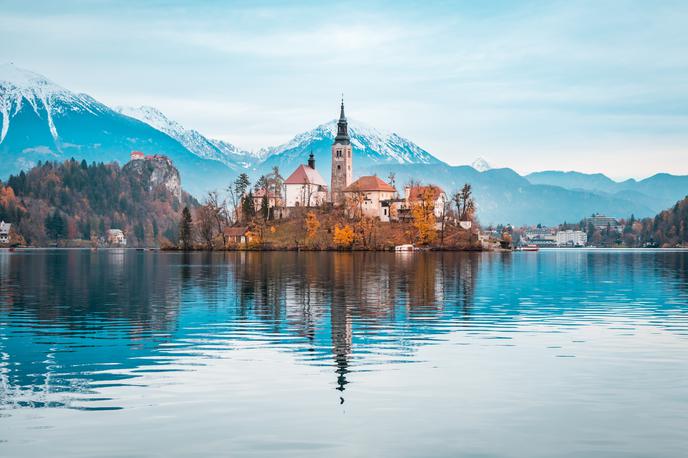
x,y
356,250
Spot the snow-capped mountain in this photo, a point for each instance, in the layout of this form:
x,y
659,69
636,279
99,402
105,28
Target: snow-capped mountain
x,y
481,165
193,140
20,89
44,121
376,145
371,147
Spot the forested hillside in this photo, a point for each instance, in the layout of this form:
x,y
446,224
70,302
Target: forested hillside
x,y
58,202
670,227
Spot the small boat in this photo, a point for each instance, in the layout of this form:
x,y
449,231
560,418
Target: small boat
x,y
406,247
530,247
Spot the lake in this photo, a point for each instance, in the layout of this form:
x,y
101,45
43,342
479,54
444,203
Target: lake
x,y
562,353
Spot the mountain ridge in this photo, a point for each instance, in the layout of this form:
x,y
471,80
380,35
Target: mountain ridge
x,y
43,121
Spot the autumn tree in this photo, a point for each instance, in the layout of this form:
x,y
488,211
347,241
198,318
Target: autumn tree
x,y
423,214
311,224
343,237
365,232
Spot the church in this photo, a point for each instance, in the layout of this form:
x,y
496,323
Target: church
x,y
306,187
372,197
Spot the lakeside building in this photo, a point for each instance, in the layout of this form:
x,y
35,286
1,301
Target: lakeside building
x,y
602,222
5,229
305,187
541,237
372,196
571,238
342,160
116,237
237,235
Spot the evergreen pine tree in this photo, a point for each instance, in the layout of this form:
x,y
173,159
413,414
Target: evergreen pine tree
x,y
185,229
265,206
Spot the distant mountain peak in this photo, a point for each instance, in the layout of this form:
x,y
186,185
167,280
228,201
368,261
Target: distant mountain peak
x,y
376,145
11,75
192,140
481,165
19,86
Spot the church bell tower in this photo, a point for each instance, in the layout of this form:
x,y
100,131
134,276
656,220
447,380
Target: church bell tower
x,y
341,160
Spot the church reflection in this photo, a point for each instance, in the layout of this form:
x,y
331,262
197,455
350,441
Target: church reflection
x,y
118,308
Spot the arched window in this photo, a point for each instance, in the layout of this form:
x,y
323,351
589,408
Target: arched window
x,y
339,167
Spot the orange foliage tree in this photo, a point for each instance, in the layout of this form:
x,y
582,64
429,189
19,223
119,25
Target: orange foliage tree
x,y
423,213
312,225
343,237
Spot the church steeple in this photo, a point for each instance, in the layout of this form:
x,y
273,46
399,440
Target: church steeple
x,y
342,137
342,161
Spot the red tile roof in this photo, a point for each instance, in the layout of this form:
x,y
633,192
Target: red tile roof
x,y
370,183
261,192
235,231
416,192
305,175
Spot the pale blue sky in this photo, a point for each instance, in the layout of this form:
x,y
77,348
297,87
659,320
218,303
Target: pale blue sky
x,y
591,86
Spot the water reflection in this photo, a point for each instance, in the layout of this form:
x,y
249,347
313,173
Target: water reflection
x,y
76,322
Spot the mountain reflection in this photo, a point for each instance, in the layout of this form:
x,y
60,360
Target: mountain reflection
x,y
74,322
72,313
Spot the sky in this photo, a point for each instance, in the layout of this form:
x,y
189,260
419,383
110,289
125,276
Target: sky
x,y
533,85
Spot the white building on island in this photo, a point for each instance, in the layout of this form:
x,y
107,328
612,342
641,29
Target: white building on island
x,y
305,187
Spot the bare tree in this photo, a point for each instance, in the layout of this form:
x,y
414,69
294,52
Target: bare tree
x,y
205,225
353,203
463,200
218,209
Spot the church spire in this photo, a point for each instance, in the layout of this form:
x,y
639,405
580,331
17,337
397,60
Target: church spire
x,y
342,137
341,114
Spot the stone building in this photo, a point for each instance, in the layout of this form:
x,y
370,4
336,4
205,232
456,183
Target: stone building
x,y
367,196
342,160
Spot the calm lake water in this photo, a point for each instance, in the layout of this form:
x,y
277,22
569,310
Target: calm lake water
x,y
558,353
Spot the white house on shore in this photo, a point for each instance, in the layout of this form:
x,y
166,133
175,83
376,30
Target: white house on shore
x,y
5,232
116,237
305,187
